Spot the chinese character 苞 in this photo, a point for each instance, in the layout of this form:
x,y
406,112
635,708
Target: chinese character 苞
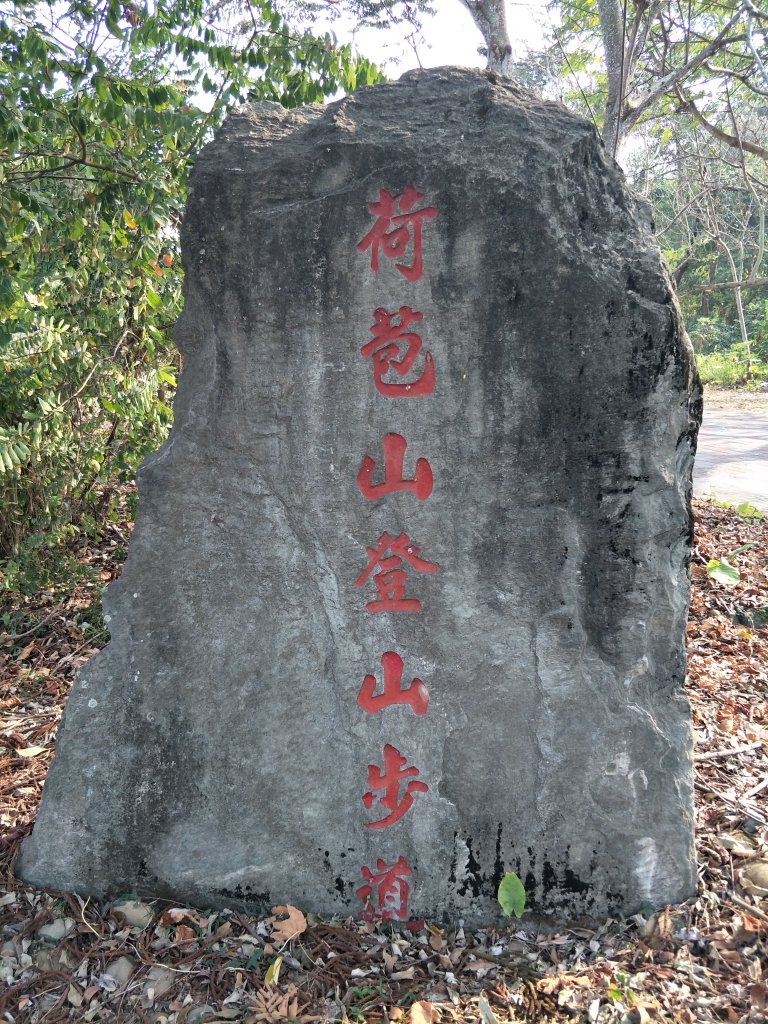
x,y
393,232
394,454
388,781
414,695
391,578
385,351
392,889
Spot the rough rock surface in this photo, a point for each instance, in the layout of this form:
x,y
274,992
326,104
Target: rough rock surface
x,y
216,750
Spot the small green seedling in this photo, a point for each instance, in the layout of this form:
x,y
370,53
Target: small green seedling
x,y
721,570
748,511
511,895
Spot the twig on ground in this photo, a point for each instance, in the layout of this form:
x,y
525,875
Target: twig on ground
x,y
727,752
756,789
12,637
752,811
743,905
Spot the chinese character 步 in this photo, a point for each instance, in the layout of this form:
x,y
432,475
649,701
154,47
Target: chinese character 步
x,y
387,780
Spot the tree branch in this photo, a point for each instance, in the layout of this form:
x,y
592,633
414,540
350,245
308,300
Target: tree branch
x,y
687,106
668,81
753,282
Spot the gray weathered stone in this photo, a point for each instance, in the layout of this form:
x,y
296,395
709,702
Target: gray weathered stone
x,y
215,751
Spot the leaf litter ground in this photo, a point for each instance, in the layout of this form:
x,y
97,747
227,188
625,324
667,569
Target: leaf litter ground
x,y
66,959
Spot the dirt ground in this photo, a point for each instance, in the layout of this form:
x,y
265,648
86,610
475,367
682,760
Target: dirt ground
x,y
64,959
735,398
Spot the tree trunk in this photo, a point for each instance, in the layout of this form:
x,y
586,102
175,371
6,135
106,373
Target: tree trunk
x,y
491,19
612,29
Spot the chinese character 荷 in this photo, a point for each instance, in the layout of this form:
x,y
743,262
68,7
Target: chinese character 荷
x,y
391,233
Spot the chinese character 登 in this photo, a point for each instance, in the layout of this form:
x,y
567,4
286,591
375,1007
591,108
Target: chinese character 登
x,y
394,453
384,350
392,231
387,781
390,580
414,695
392,890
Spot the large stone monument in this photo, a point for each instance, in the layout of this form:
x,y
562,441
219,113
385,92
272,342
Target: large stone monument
x,y
404,607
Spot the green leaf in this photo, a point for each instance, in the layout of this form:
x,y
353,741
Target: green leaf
x,y
739,551
748,511
254,959
511,895
100,87
720,570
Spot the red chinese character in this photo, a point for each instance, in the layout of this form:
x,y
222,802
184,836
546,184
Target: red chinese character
x,y
394,454
386,356
390,580
388,782
391,890
415,695
392,232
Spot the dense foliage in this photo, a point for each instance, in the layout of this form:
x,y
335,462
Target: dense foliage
x,y
102,108
680,93
687,99
104,104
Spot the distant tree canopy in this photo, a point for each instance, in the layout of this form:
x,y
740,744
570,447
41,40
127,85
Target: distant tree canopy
x,y
103,106
102,109
680,92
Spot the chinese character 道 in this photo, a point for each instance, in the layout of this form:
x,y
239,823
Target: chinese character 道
x,y
392,889
393,232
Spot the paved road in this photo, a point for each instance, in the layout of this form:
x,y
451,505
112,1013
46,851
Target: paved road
x,y
732,458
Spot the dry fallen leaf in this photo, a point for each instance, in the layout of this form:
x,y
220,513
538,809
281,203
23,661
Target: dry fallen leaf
x,y
288,928
273,973
406,975
486,1013
175,915
424,1012
185,934
479,967
738,844
754,878
551,984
